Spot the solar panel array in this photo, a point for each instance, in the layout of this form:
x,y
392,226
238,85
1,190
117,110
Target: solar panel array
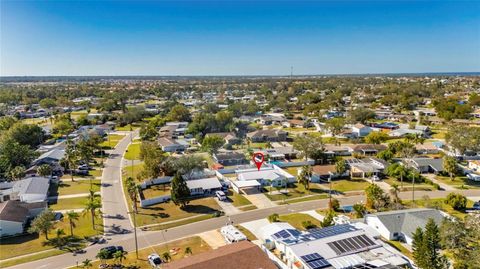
x,y
315,261
352,244
364,266
319,233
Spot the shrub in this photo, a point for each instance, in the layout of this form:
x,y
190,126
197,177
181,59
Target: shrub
x,y
308,224
456,201
274,217
335,205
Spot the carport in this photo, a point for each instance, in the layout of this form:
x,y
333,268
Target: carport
x,y
246,186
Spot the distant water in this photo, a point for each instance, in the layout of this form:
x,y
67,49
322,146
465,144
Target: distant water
x,y
9,79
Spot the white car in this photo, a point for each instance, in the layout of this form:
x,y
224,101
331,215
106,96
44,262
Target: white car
x,y
473,177
221,195
154,260
375,178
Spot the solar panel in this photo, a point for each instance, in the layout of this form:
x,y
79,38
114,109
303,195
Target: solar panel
x,y
311,257
351,244
319,233
318,264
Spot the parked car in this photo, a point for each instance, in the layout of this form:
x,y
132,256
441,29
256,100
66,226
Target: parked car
x,y
154,260
473,177
221,195
83,167
375,178
81,172
112,249
476,205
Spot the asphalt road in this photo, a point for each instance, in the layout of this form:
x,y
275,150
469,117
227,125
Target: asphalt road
x,y
149,238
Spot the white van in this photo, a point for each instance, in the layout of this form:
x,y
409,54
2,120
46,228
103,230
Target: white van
x,y
232,234
221,195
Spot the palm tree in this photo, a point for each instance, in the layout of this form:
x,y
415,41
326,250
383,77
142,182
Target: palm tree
x,y
166,257
87,263
71,157
401,171
132,189
59,232
72,217
305,176
93,206
394,192
188,251
119,255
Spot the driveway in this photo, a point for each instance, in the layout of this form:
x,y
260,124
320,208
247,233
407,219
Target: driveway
x,y
260,200
227,207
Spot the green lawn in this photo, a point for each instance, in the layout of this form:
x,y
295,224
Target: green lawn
x,y
246,232
440,204
133,151
21,245
304,199
296,219
292,171
238,199
111,141
74,187
68,203
176,250
132,171
295,190
127,127
344,185
407,186
459,182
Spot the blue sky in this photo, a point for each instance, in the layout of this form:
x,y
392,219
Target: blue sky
x,y
238,38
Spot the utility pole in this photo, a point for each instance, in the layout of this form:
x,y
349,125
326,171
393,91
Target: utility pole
x,y
131,140
330,191
135,232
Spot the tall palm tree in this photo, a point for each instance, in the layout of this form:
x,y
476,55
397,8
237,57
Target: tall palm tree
x,y
71,157
72,217
87,263
119,255
305,176
166,257
132,190
401,171
394,192
93,206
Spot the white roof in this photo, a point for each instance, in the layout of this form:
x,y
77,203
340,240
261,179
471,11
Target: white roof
x,y
204,183
246,183
258,175
268,230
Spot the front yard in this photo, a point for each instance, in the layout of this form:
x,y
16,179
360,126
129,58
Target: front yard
x,y
296,220
459,182
111,141
295,190
345,185
438,203
176,249
408,186
74,187
133,151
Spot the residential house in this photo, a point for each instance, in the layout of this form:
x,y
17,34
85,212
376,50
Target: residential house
x,y
229,137
239,255
28,190
269,135
366,167
202,182
322,172
425,165
367,149
50,157
170,145
429,147
340,150
14,215
266,176
229,158
340,246
173,129
360,130
280,153
401,224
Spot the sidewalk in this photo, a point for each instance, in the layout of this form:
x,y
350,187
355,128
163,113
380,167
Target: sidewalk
x,y
442,185
85,194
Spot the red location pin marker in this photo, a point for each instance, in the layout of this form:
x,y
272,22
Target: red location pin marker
x,y
258,159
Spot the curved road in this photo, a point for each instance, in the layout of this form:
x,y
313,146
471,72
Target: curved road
x,y
114,203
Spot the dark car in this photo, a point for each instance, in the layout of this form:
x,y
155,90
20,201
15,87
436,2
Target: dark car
x,y
112,249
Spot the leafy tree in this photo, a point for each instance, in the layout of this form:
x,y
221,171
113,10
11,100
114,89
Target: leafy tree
x,y
7,122
328,220
398,171
212,143
152,156
47,103
456,201
44,170
179,113
103,255
26,134
361,115
335,125
188,163
180,193
148,132
386,155
13,154
72,217
17,173
462,239
334,205
87,263
63,126
463,138
450,166
307,145
340,167
274,217
304,177
376,138
43,223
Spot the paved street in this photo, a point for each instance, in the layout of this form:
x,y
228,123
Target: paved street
x,y
113,200
149,238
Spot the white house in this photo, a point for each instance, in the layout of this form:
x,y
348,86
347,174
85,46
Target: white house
x,y
15,214
401,224
267,175
360,130
29,190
